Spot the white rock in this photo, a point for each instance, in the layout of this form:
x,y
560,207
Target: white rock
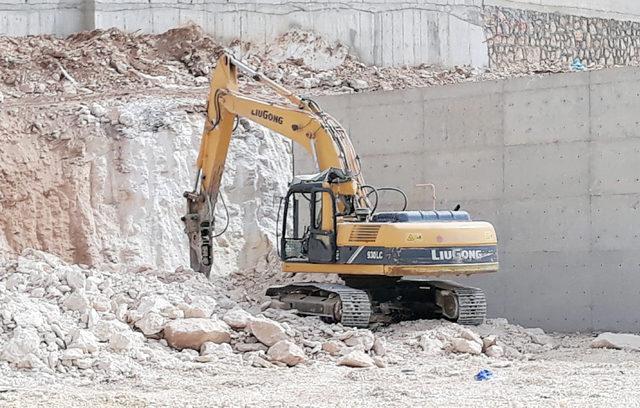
x,y
494,351
431,346
470,335
83,340
358,84
361,339
211,348
333,347
29,317
192,333
71,354
488,341
461,345
286,352
151,323
76,301
98,110
104,329
538,336
155,304
237,318
267,331
75,278
357,359
124,340
14,281
617,341
101,303
25,341
201,306
379,347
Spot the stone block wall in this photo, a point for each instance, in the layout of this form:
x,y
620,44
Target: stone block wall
x,y
531,38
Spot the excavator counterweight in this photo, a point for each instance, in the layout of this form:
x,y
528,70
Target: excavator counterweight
x,y
391,262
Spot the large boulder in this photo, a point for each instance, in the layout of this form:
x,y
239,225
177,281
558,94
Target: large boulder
x,y
286,352
617,341
267,331
192,333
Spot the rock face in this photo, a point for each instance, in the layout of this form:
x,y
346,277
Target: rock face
x,y
357,359
192,333
617,341
286,352
267,331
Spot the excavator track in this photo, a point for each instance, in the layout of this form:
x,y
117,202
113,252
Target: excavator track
x,y
471,302
384,301
349,306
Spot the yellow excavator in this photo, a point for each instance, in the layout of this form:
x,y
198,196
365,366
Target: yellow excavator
x,y
329,223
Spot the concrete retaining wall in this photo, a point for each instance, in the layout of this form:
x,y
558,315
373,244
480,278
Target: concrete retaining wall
x,y
442,32
553,162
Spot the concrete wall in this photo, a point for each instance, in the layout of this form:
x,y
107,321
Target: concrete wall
x,y
553,162
385,32
60,17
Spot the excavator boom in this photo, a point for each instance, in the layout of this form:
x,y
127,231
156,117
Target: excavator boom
x,y
330,225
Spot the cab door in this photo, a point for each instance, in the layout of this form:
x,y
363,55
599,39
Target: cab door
x,y
322,232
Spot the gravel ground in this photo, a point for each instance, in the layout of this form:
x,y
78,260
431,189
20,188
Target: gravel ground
x,y
563,377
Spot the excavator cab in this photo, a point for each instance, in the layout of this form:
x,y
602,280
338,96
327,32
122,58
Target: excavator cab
x,y
309,224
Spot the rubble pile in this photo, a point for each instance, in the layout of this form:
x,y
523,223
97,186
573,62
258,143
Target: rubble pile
x,y
182,58
62,318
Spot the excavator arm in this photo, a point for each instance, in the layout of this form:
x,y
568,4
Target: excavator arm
x,y
299,119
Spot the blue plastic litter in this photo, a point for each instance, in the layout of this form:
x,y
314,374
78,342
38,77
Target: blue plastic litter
x,y
577,65
484,375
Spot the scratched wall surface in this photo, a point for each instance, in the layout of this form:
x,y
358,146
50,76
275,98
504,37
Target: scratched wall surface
x,y
551,161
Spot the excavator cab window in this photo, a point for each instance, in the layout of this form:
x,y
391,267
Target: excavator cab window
x,y
308,229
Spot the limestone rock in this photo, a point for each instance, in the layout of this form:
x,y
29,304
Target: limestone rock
x,y
23,344
83,340
333,347
104,329
151,323
431,346
123,340
379,347
267,331
210,348
488,341
461,345
201,306
286,352
494,351
538,336
75,278
237,318
357,359
76,301
192,333
361,339
617,341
